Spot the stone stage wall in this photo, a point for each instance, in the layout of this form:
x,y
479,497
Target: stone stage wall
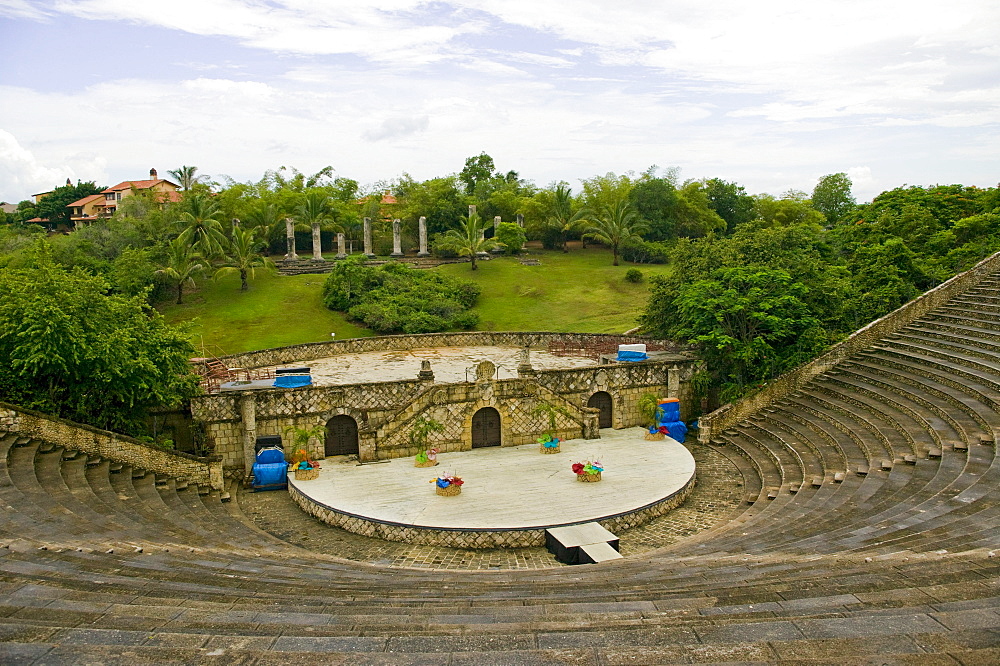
x,y
486,538
386,411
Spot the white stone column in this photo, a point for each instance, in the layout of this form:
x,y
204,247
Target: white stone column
x,y
317,243
290,240
248,416
341,254
396,247
368,238
422,230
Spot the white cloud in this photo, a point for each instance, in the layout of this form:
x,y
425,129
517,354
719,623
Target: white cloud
x,y
22,175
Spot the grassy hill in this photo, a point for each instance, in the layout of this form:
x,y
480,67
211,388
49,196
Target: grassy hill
x,y
580,291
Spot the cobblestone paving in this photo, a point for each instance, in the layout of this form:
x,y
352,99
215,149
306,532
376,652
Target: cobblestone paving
x,y
718,492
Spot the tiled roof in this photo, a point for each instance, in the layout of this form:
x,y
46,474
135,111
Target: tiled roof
x,y
86,200
139,184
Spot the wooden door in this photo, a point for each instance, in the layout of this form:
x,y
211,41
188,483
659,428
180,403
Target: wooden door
x,y
602,401
341,436
486,428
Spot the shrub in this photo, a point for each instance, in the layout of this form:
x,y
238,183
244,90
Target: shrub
x,y
633,275
644,252
395,298
512,236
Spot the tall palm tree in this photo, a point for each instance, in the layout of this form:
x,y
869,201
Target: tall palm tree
x,y
183,264
243,255
561,215
186,177
315,208
269,219
468,239
614,225
202,228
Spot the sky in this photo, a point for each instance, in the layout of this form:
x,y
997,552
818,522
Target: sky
x,y
771,94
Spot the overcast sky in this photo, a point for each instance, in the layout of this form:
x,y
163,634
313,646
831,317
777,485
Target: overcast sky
x,y
771,94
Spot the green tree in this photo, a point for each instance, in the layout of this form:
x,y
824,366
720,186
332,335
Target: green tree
x,y
55,206
563,216
477,170
511,236
467,240
243,255
202,228
183,265
655,200
832,196
731,202
75,351
186,177
614,225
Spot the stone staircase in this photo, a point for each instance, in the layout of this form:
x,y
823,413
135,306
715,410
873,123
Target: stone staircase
x,y
868,535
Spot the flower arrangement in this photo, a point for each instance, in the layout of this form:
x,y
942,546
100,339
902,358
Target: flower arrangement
x,y
548,444
426,458
447,484
587,470
301,460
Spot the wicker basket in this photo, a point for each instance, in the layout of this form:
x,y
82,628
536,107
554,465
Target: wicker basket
x,y
450,491
306,474
654,436
428,463
548,449
589,478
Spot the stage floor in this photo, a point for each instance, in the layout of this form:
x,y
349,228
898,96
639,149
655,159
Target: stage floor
x,y
508,488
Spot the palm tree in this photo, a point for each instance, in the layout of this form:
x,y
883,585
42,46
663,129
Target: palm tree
x,y
468,239
561,215
182,265
315,208
614,225
186,178
202,227
243,255
269,219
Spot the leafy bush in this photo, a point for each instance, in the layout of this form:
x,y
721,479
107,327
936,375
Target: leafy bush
x,y
633,275
512,236
644,252
395,298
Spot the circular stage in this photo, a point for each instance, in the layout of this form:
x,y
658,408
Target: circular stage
x,y
511,494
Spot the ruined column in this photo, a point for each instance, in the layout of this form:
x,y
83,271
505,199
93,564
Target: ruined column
x,y
248,416
520,220
290,240
524,368
425,374
496,225
368,238
472,210
482,237
341,254
422,229
396,248
317,243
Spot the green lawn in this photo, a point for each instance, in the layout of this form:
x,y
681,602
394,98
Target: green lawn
x,y
580,291
277,311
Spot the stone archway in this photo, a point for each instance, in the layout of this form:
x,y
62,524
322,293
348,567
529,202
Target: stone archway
x,y
602,401
486,428
341,436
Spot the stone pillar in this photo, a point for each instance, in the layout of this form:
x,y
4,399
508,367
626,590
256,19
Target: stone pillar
x,y
496,225
422,229
396,248
482,237
368,238
248,416
520,220
524,368
341,254
425,374
290,240
673,382
317,243
472,209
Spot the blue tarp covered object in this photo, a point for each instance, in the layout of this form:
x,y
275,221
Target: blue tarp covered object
x,y
292,381
631,356
270,471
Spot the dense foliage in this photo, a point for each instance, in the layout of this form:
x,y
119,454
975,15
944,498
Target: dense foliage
x,y
782,287
69,347
395,298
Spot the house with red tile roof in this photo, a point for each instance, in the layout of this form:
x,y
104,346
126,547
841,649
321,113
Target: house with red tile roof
x,y
106,203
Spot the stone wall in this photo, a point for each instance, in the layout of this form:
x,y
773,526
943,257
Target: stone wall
x,y
386,411
113,446
314,350
728,415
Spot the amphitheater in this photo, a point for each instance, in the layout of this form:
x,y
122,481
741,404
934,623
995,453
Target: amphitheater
x,y
862,533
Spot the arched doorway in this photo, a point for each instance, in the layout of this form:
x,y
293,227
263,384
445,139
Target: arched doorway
x,y
486,428
341,436
602,401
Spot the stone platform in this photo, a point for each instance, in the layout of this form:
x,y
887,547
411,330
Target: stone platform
x,y
511,494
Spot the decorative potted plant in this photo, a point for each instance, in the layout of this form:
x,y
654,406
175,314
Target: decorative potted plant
x,y
548,442
587,471
448,485
302,464
650,410
422,427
